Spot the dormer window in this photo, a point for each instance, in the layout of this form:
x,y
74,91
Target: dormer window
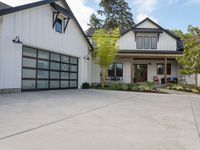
x,y
58,25
139,42
146,42
153,42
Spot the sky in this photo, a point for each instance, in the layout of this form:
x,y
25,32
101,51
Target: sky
x,y
170,14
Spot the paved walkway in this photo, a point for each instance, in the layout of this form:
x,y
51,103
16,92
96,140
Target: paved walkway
x,y
99,120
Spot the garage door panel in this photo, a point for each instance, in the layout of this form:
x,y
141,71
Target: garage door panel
x,y
46,70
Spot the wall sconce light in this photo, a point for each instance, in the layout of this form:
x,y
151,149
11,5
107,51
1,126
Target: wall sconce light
x,y
87,57
17,40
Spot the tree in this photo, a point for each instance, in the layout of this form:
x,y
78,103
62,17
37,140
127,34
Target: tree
x,y
95,22
190,60
117,13
105,50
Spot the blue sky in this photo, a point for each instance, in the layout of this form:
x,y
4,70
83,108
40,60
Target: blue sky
x,y
170,14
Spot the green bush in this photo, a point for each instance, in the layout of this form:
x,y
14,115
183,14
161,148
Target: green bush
x,y
134,87
177,87
123,87
114,86
194,90
141,88
151,85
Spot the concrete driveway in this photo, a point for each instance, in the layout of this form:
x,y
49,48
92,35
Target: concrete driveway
x,y
99,120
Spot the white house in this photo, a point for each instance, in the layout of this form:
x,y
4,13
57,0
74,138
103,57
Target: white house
x,y
42,47
147,52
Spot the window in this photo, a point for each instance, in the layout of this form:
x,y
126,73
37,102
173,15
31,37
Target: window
x,y
119,69
139,42
58,25
146,42
168,69
115,71
160,69
153,42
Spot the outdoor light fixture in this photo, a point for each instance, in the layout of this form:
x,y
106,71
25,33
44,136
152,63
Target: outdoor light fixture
x,y
87,57
17,40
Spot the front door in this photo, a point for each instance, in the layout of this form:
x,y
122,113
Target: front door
x,y
140,73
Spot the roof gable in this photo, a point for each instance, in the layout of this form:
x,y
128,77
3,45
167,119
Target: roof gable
x,y
4,6
40,3
148,23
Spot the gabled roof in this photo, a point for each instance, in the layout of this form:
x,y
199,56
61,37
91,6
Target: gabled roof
x,y
4,6
159,27
39,3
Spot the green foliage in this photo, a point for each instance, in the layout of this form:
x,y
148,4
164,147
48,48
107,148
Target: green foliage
x,y
117,13
151,85
105,49
190,61
195,90
124,87
95,22
134,87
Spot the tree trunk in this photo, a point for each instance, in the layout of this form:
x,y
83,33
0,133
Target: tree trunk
x,y
196,80
103,77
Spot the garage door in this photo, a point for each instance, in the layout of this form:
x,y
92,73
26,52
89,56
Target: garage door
x,y
44,70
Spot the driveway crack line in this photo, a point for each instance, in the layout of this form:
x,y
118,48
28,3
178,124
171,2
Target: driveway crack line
x,y
69,117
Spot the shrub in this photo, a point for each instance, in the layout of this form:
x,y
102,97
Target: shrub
x,y
194,90
141,88
151,85
114,86
134,87
123,87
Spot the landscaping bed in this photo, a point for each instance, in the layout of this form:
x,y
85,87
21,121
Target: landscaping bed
x,y
135,87
183,87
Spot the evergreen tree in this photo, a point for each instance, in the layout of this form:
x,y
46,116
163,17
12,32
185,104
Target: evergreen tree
x,y
95,22
117,13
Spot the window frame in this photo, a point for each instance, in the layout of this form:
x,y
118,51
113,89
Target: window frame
x,y
60,23
169,72
142,42
162,73
156,40
114,67
149,42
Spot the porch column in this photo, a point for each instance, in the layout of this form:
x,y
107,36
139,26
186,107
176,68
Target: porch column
x,y
165,71
132,68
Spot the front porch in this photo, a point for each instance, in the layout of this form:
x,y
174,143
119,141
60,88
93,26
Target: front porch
x,y
146,67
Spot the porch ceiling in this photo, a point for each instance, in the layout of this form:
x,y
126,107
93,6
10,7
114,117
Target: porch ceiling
x,y
150,54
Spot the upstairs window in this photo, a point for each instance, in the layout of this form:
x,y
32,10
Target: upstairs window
x,y
146,42
153,42
139,42
58,25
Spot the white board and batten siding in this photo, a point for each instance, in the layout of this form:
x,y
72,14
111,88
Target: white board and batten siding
x,y
34,27
166,42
